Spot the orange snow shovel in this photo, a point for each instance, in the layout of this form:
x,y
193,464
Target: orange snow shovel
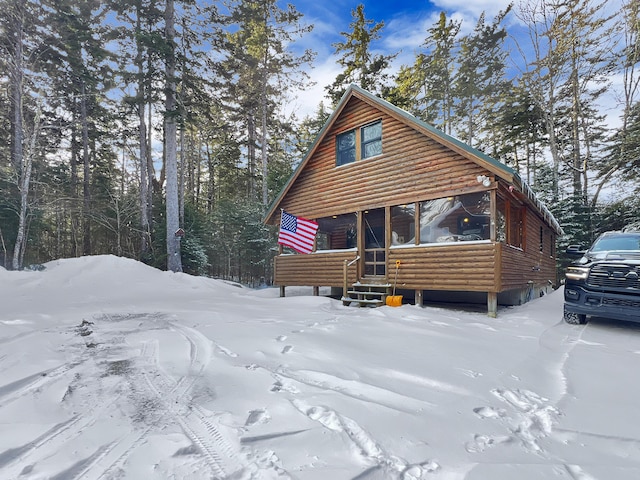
x,y
395,300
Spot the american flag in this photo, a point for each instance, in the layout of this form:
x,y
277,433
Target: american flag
x,y
297,232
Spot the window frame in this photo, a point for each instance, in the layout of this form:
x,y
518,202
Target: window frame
x,y
364,143
359,144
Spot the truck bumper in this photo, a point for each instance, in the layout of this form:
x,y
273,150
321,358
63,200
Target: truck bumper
x,y
599,304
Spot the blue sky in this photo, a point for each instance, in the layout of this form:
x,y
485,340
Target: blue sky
x,y
406,24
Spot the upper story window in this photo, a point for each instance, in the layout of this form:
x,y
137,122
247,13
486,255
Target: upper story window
x,y
346,148
360,143
372,140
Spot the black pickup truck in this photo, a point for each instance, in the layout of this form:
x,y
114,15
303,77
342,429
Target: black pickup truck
x,y
605,280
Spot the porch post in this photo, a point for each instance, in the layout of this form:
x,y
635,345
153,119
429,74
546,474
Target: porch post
x,y
492,304
360,241
280,250
493,235
387,241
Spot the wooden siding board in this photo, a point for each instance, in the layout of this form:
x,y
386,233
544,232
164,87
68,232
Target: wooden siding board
x,y
412,167
318,269
451,267
448,267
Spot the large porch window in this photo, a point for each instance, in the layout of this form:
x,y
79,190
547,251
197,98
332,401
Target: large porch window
x,y
448,219
403,224
337,232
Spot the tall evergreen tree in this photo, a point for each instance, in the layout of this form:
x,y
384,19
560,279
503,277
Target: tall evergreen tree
x,y
141,47
19,44
623,153
520,136
78,65
566,77
427,85
361,66
258,64
480,84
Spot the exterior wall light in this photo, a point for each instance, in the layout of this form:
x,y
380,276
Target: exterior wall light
x,y
484,180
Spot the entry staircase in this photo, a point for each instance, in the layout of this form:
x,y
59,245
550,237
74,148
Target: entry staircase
x,y
367,293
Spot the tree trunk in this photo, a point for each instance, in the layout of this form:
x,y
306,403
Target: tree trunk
x,y
73,209
182,167
174,262
22,166
20,246
86,181
251,155
265,144
145,237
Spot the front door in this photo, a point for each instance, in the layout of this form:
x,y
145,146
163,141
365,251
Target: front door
x,y
375,261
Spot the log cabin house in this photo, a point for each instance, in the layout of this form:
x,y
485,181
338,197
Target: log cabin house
x,y
400,203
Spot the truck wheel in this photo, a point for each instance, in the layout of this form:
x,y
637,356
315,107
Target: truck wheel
x,y
575,318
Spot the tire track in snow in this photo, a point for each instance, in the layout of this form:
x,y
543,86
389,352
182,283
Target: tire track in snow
x,y
55,438
105,457
221,455
168,398
113,457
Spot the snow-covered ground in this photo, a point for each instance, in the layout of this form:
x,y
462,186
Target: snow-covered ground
x,y
110,369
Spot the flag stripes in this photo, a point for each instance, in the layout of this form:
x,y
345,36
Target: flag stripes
x,y
297,232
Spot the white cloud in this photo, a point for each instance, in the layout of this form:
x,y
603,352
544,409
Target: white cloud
x,y
473,7
324,73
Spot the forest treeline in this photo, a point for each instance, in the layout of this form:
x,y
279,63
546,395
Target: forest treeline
x,y
160,129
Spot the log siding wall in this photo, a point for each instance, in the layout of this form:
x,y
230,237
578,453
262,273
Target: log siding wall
x,y
412,167
519,266
471,267
316,269
468,266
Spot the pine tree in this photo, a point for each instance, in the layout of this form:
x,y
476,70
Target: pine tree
x,y
622,159
427,85
567,75
19,44
361,66
141,46
258,64
480,83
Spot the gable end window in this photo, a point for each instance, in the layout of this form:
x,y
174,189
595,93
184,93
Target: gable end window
x,y
372,140
346,148
359,143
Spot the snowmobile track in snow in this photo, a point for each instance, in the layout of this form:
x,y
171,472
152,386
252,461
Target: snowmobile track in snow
x,y
165,400
219,452
169,395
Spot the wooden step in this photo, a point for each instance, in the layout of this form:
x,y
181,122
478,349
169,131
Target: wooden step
x,y
367,294
372,285
361,292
